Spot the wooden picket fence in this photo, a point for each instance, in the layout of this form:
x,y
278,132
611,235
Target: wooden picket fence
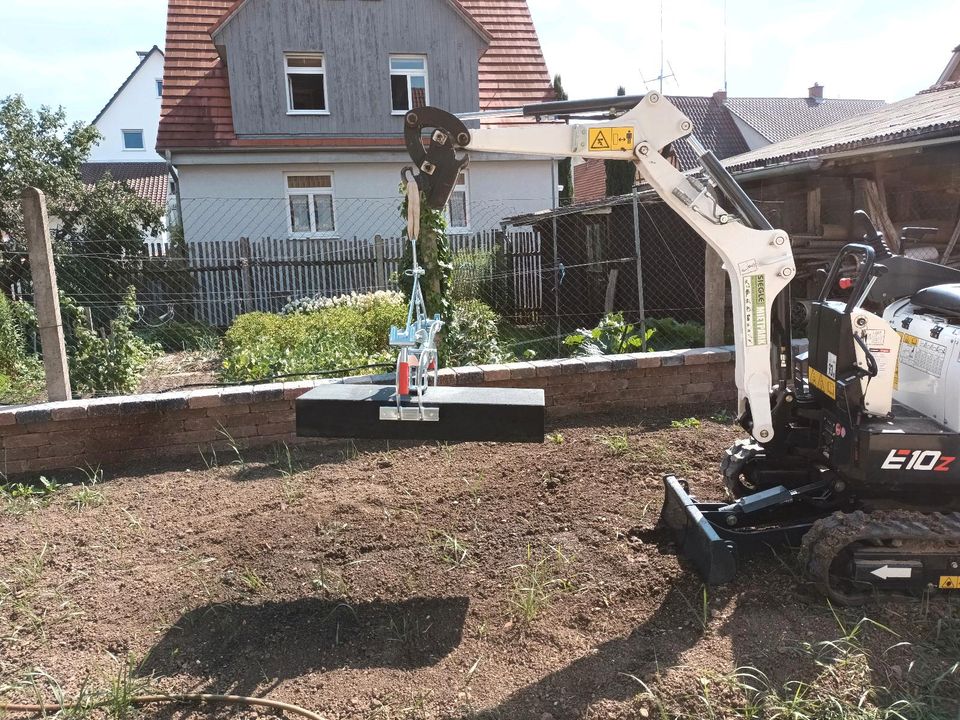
x,y
246,275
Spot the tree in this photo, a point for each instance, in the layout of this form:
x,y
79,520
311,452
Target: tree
x,y
565,166
620,173
100,229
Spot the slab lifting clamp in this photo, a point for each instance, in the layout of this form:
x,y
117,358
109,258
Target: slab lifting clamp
x,y
417,361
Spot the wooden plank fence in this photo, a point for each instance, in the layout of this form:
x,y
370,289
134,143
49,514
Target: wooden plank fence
x,y
245,275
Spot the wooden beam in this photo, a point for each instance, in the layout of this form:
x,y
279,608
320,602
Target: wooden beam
x,y
952,242
869,198
814,212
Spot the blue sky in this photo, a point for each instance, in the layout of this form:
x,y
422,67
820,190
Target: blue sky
x,y
75,54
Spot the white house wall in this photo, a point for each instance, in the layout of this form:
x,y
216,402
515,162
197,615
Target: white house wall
x,y
226,202
137,107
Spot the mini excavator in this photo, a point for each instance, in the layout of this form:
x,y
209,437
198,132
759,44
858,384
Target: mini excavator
x,y
853,452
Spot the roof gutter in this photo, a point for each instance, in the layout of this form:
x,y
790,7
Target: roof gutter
x,y
762,173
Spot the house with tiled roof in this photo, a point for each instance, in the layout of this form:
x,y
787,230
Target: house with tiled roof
x,y
128,126
731,126
284,118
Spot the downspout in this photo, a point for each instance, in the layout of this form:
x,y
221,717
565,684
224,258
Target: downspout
x,y
175,177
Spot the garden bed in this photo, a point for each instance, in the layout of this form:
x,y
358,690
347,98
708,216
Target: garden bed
x,y
442,581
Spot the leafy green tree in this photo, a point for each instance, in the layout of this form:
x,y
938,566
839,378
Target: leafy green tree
x,y
99,230
565,166
620,173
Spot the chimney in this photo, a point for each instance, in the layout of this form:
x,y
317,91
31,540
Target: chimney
x,y
720,97
816,93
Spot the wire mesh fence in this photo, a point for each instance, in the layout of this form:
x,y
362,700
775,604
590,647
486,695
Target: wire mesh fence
x,y
541,277
617,275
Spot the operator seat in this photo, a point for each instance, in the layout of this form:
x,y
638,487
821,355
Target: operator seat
x,y
941,299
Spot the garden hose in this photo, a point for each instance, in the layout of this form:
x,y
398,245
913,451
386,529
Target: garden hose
x,y
150,699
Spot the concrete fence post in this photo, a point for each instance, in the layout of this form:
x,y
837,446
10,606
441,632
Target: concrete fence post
x,y
714,298
46,295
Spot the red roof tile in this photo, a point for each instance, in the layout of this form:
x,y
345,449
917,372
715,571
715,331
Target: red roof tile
x,y
149,180
196,92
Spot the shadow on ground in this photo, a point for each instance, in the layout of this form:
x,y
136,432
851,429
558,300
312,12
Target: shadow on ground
x,y
240,648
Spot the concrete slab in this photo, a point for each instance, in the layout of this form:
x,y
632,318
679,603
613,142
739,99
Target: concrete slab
x,y
465,414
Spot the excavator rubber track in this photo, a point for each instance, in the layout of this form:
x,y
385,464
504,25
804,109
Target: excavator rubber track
x,y
928,544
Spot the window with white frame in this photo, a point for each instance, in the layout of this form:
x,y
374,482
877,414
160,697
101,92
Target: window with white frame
x,y
306,83
310,204
408,82
159,87
458,207
133,140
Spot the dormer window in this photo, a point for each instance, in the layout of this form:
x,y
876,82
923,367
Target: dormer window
x,y
306,84
408,82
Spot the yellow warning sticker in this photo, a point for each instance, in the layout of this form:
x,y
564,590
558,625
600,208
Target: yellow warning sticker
x,y
822,383
950,582
611,138
909,339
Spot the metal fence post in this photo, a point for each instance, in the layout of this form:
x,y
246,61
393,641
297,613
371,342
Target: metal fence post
x,y
46,296
636,243
380,266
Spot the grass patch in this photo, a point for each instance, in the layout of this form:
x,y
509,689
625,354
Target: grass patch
x,y
537,580
251,581
454,552
87,495
690,422
616,444
20,498
848,681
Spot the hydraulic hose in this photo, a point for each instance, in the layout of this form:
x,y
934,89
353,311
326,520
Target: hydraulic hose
x,y
151,699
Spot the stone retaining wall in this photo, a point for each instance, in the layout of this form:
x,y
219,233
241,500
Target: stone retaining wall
x,y
113,431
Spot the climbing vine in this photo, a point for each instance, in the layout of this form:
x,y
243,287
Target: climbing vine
x,y
433,254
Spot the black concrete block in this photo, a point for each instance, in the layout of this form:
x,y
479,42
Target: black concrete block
x,y
465,414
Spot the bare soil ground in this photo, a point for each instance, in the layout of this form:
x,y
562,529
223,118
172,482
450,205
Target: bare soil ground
x,y
174,370
447,581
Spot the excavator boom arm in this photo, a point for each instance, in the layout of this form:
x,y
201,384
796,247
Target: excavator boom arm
x,y
757,258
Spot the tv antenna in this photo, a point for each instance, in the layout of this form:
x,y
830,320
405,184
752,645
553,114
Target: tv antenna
x,y
663,74
660,78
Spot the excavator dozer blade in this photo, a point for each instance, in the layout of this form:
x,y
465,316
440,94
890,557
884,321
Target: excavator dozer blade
x,y
714,558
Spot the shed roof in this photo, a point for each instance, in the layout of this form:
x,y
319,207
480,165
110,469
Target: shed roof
x,y
923,116
196,100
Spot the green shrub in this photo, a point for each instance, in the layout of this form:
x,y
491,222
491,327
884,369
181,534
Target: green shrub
x,y
672,335
471,336
21,373
612,336
262,345
110,362
12,350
